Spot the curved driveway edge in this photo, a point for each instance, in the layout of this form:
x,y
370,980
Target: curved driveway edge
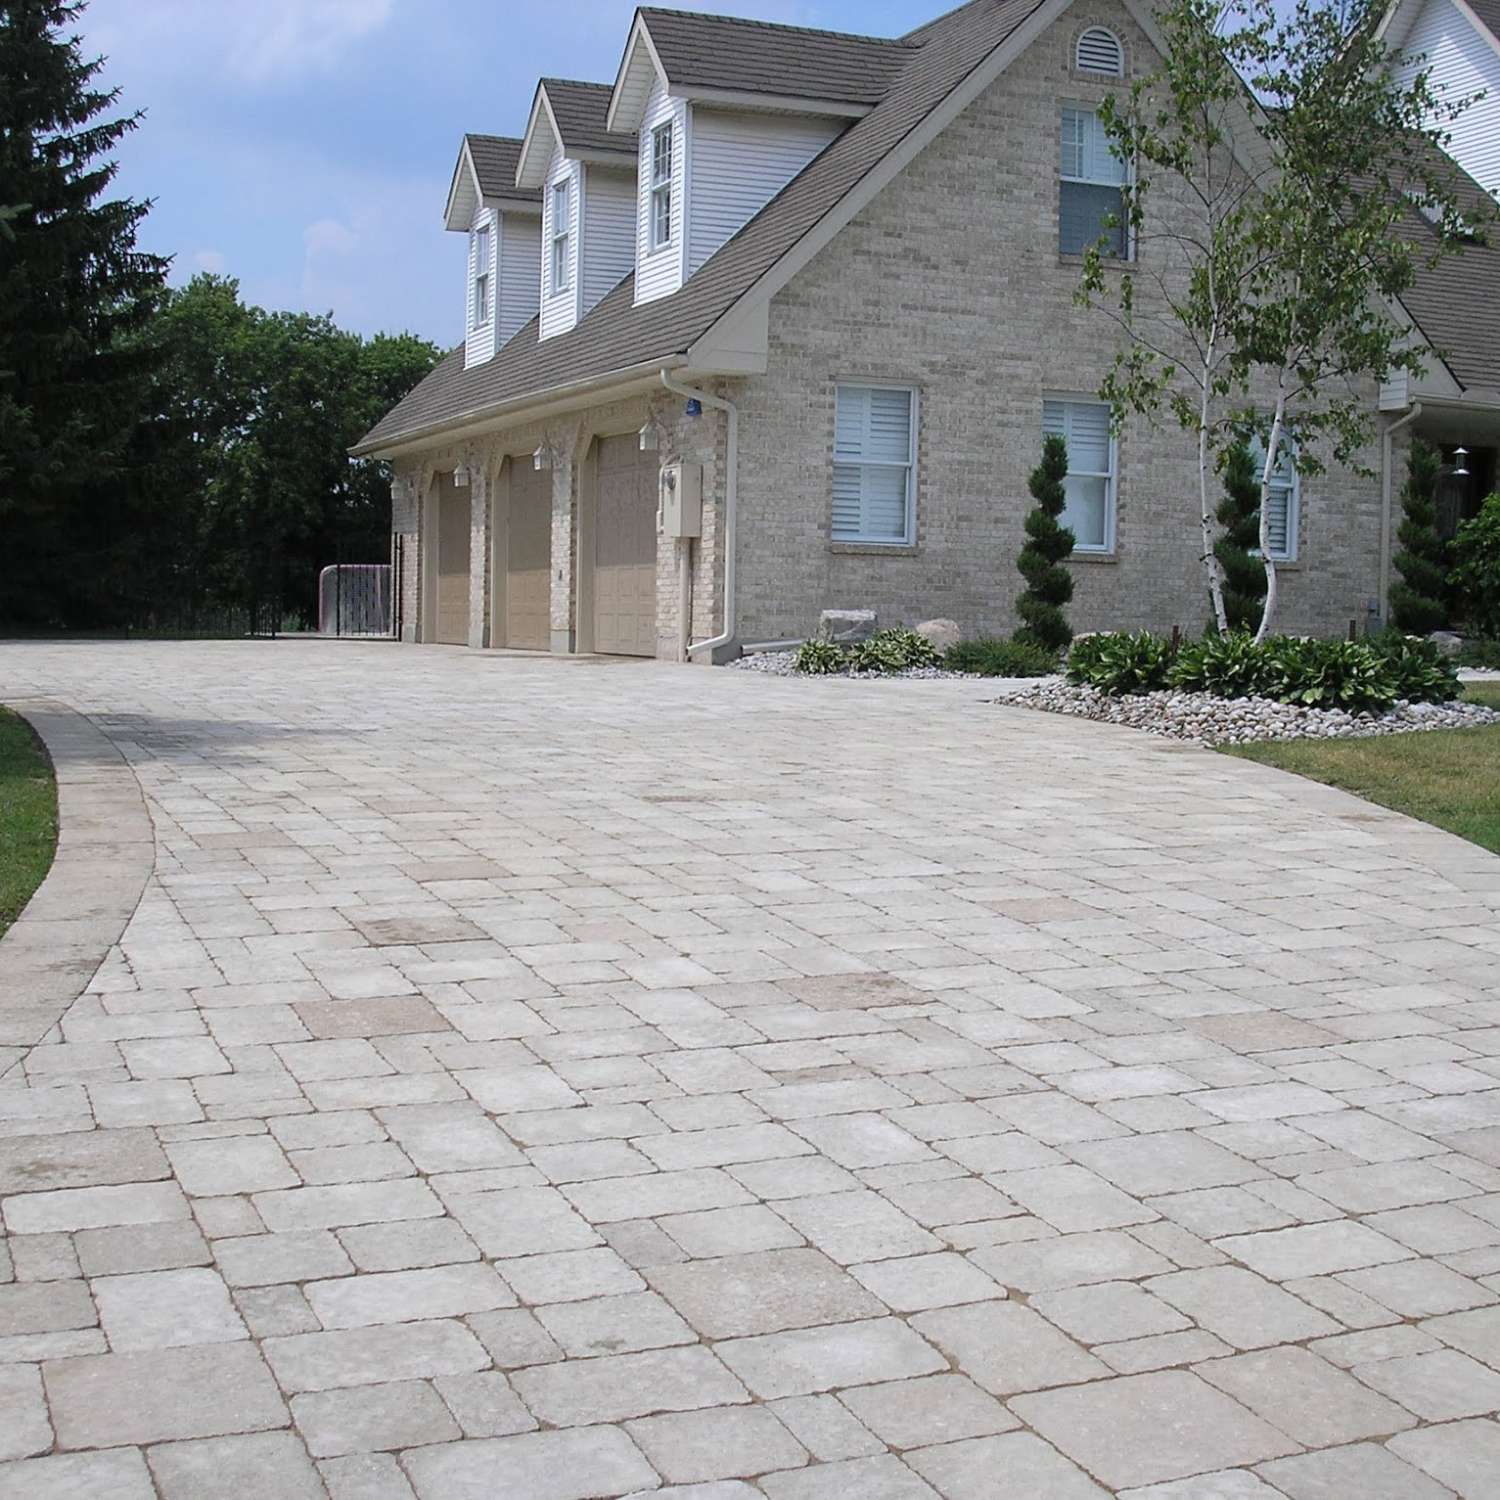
x,y
105,853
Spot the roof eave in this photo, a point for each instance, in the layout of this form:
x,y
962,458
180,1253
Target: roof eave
x,y
626,104
523,408
782,103
536,149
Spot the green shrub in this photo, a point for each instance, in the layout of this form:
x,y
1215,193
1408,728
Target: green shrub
x,y
1418,600
1049,585
1476,568
819,658
1121,663
1421,672
989,656
1228,666
1236,550
1327,674
892,651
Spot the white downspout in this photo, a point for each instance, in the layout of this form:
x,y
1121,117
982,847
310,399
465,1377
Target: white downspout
x,y
1385,508
731,494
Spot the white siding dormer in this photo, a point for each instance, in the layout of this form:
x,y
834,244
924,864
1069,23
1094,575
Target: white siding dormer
x,y
739,162
520,264
562,229
1461,60
479,308
608,244
659,268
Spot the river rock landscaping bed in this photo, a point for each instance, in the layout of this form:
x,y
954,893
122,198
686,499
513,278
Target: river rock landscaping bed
x,y
1207,720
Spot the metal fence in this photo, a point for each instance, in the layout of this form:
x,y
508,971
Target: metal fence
x,y
356,599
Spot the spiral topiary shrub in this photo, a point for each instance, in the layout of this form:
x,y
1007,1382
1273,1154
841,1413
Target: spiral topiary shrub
x,y
1049,585
1419,600
1239,515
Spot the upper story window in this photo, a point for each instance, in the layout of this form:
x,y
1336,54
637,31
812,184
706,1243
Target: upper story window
x,y
558,268
874,464
661,186
1090,485
1099,51
481,308
1286,500
1092,177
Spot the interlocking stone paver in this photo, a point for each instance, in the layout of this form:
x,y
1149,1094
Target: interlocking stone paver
x,y
858,1127
156,1395
1141,1429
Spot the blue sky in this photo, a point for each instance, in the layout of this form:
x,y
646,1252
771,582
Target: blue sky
x,y
306,146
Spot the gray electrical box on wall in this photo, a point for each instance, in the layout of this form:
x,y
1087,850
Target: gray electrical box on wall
x,y
682,499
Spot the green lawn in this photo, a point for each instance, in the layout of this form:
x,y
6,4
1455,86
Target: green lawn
x,y
1450,778
28,816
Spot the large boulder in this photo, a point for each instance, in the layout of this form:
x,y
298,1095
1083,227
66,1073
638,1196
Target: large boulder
x,y
1447,642
846,626
942,633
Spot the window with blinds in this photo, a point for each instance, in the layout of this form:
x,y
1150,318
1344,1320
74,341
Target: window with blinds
x,y
1091,177
1282,518
1090,485
1099,51
874,463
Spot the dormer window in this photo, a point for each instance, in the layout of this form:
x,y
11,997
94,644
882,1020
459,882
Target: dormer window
x,y
1099,51
560,225
481,314
661,186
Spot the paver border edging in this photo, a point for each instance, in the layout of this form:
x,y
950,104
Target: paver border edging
x,y
106,851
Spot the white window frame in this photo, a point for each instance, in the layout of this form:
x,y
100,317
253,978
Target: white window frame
x,y
1111,479
659,196
1128,250
560,245
482,309
909,536
1292,484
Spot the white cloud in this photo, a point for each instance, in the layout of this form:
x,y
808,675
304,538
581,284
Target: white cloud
x,y
255,41
212,261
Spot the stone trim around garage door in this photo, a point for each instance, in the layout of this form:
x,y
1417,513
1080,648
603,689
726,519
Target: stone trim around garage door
x,y
105,854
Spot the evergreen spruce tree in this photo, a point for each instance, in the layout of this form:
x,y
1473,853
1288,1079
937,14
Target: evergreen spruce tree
x,y
1238,548
75,296
1049,585
1417,601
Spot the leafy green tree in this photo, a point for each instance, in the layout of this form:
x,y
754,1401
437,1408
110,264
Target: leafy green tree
x,y
1476,572
1049,585
1418,600
74,293
1236,549
254,413
1282,157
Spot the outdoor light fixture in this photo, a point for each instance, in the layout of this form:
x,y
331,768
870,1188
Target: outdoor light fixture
x,y
1459,466
461,476
647,436
542,458
694,408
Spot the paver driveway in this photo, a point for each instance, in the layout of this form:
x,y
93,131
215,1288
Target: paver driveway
x,y
540,1079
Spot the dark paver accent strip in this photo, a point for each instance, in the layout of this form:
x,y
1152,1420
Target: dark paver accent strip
x,y
105,854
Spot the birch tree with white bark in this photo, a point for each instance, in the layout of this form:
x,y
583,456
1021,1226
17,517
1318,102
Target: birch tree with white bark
x,y
1284,187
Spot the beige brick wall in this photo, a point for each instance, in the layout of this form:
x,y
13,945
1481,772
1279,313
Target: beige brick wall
x,y
951,280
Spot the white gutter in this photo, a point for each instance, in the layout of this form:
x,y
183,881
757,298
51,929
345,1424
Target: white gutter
x,y
731,497
1385,508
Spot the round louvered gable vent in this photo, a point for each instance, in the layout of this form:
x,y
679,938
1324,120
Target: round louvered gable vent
x,y
1099,51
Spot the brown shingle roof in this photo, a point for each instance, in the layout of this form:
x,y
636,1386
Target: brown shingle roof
x,y
494,158
759,57
616,334
579,109
1456,303
1488,12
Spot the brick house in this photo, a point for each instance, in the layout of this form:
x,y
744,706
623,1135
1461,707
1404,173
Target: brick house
x,y
776,323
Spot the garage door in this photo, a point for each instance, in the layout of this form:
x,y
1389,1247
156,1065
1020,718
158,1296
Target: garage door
x,y
453,563
625,549
528,558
